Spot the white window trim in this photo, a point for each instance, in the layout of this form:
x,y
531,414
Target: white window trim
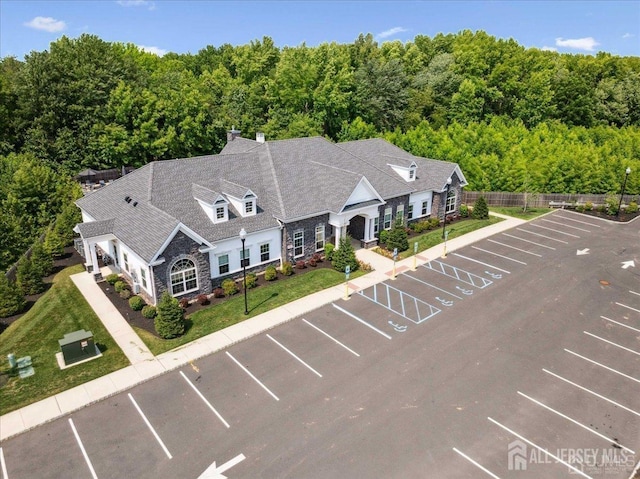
x,y
301,232
243,256
225,213
400,213
251,202
260,251
218,256
424,210
410,211
324,238
388,212
450,206
143,278
376,225
186,291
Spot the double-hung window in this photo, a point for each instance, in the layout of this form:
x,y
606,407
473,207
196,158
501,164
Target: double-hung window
x,y
248,207
143,277
125,259
245,258
425,208
264,252
298,243
220,213
451,202
387,218
223,264
410,211
376,224
400,213
319,237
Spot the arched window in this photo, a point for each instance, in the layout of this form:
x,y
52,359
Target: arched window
x,y
451,202
183,277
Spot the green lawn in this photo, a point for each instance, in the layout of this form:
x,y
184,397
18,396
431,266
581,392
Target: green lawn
x,y
265,298
516,211
434,237
60,310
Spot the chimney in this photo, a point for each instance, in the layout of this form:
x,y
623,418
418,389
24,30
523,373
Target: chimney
x,y
233,134
259,137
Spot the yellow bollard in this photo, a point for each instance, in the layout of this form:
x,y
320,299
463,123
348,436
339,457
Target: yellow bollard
x,y
346,291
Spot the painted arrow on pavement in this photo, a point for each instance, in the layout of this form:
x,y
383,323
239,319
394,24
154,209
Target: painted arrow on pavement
x,y
626,264
582,251
214,472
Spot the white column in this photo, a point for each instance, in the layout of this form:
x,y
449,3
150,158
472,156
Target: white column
x,y
367,229
338,236
94,258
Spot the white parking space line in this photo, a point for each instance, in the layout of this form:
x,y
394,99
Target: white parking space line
x,y
577,221
483,264
554,230
82,449
565,225
633,292
331,338
542,236
430,285
204,399
153,431
621,324
361,321
529,241
603,366
592,392
294,356
3,466
541,449
513,247
483,469
499,255
252,376
611,342
608,439
628,307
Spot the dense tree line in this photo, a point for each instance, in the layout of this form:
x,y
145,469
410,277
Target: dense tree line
x,y
515,119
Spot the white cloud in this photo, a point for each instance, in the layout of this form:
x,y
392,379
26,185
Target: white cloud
x,y
628,35
587,43
47,24
155,50
137,3
391,32
549,49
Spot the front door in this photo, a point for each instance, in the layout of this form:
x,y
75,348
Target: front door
x,y
115,254
356,227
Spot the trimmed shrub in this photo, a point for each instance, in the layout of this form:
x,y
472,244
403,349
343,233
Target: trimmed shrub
x,y
383,236
136,303
300,264
125,294
397,238
149,311
252,280
270,273
287,269
312,262
218,293
632,207
345,255
364,266
11,297
317,257
480,209
169,322
434,223
229,287
601,208
184,303
580,208
464,211
120,285
112,278
588,206
328,251
202,299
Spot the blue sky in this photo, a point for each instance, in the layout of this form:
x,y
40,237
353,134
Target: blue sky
x,y
571,26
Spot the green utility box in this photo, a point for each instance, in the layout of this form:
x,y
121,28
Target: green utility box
x,y
77,346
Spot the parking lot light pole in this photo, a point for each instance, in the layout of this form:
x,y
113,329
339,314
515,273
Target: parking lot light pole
x,y
624,185
444,211
243,237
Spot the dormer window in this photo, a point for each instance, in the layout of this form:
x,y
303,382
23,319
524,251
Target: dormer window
x,y
220,213
248,207
412,173
221,210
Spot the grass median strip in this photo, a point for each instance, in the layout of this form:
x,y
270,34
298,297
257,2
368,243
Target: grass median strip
x,y
517,212
60,310
261,300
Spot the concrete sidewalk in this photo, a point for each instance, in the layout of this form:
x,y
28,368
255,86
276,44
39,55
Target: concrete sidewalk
x,y
145,366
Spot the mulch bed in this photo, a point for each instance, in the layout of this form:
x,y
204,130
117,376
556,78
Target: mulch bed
x,y
136,319
621,218
69,258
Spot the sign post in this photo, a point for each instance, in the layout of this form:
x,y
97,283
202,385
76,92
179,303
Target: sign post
x,y
347,270
444,253
415,253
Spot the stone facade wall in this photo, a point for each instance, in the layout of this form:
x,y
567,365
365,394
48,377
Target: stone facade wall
x,y
183,247
393,203
439,200
309,227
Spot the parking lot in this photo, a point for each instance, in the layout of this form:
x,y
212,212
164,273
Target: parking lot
x,y
517,356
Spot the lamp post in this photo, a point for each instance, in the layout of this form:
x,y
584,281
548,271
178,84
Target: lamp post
x,y
624,185
444,223
243,237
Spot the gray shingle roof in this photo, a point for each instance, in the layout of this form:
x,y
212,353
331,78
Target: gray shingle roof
x,y
291,179
96,228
